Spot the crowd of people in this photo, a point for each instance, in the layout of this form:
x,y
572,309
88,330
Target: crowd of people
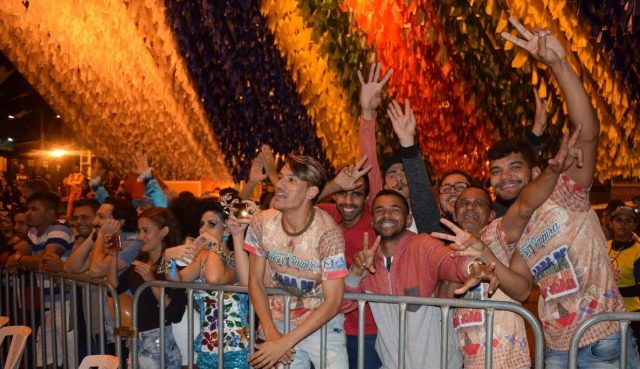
x,y
373,228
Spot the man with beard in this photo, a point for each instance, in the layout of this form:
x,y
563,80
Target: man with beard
x,y
305,254
353,215
563,244
84,211
401,262
474,211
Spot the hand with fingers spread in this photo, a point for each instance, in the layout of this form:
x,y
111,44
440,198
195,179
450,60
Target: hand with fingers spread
x,y
568,154
480,272
269,163
257,172
347,178
540,44
140,163
404,124
365,259
464,243
371,90
540,120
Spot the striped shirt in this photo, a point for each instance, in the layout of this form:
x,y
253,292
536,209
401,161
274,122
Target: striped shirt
x,y
57,234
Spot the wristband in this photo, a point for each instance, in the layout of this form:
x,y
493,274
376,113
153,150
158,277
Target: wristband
x,y
478,259
173,271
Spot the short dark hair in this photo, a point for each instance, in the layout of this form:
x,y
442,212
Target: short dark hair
x,y
214,205
124,210
390,192
508,146
36,185
187,212
309,170
466,175
613,205
50,200
367,185
486,192
388,162
92,203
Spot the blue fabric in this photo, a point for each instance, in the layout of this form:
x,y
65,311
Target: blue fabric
x,y
100,191
604,354
636,271
153,190
371,358
247,92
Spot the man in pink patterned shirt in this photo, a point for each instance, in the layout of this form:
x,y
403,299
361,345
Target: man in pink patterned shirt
x,y
301,249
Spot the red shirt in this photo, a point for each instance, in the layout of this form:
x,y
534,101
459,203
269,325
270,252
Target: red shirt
x,y
354,238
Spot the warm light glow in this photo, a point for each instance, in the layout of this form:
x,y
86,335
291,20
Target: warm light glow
x,y
10,139
11,116
58,153
58,116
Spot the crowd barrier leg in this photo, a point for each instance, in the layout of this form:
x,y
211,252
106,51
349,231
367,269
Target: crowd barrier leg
x,y
361,306
190,333
444,333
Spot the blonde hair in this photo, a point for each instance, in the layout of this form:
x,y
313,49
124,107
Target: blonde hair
x,y
309,170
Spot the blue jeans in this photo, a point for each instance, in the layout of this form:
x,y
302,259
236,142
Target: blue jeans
x,y
604,354
149,350
371,359
308,350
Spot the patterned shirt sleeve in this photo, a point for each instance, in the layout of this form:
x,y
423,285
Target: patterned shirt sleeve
x,y
60,236
331,253
253,237
571,195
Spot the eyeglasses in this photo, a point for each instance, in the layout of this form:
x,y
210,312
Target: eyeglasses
x,y
458,186
471,203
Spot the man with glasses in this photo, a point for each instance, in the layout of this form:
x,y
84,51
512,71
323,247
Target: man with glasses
x,y
451,185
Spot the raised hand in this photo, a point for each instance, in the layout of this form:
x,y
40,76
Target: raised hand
x,y
140,163
257,172
404,124
111,226
269,163
348,176
464,243
568,154
365,259
237,226
185,253
540,120
371,90
479,272
540,44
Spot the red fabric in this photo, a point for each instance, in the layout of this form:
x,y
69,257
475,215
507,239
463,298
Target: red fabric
x,y
354,238
419,263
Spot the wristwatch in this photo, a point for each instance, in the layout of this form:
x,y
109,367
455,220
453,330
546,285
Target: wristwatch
x,y
478,259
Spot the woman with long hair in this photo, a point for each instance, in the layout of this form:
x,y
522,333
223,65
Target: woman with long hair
x,y
158,230
221,261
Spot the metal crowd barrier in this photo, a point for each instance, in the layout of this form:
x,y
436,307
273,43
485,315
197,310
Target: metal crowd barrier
x,y
403,301
61,285
48,288
623,318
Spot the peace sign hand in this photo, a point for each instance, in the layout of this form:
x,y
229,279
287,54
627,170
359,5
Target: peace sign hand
x,y
540,44
365,259
568,154
464,243
404,124
371,90
347,178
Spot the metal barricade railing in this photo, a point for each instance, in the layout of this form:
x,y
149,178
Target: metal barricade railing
x,y
403,301
623,318
48,290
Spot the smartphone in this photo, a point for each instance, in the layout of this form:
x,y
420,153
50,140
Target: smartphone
x,y
112,243
241,210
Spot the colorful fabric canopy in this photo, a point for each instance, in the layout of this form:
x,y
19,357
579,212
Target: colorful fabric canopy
x,y
200,86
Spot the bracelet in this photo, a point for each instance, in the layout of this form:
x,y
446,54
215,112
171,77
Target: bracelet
x,y
479,259
165,265
173,270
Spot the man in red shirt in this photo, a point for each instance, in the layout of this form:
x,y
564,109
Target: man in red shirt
x,y
352,214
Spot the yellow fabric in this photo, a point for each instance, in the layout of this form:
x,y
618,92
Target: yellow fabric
x,y
622,267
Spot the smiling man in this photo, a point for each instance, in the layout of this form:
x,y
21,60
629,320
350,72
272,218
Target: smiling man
x,y
305,254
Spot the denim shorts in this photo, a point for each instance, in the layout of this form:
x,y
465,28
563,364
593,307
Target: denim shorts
x,y
604,354
308,350
149,350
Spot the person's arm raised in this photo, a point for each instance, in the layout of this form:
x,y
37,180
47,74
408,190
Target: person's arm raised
x,y
546,49
370,99
536,192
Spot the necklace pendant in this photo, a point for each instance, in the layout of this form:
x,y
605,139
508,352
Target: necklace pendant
x,y
291,246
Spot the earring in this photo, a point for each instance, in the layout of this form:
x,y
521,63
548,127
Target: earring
x,y
226,238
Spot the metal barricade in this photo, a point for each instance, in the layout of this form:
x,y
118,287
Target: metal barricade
x,y
623,318
403,301
50,290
